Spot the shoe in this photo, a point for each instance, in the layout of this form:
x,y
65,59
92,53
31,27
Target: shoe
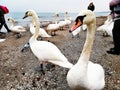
x,y
2,33
9,31
113,51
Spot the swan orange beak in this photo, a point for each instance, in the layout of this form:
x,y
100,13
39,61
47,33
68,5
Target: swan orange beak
x,y
75,26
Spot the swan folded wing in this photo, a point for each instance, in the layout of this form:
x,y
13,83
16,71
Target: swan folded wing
x,y
49,52
18,29
62,23
95,74
21,28
52,27
101,28
43,33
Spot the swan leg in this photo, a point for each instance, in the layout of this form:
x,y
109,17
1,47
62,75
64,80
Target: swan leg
x,y
53,33
60,28
105,34
40,68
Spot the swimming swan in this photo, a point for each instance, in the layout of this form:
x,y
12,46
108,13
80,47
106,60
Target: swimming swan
x,y
86,74
43,50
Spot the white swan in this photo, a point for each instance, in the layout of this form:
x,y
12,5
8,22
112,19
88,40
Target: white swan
x,y
42,32
64,22
68,21
53,27
43,50
107,26
17,29
108,29
86,74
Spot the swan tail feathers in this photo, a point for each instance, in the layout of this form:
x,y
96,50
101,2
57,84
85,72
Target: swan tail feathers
x,y
65,64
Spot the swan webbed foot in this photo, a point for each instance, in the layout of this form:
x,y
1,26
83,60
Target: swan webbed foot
x,y
25,47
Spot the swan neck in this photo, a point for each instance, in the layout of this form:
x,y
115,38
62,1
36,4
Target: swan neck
x,y
13,22
65,16
35,20
85,55
56,20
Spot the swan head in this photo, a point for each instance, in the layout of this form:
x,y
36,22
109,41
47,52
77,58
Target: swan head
x,y
84,17
10,19
29,13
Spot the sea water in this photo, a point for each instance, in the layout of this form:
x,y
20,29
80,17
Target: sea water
x,y
43,16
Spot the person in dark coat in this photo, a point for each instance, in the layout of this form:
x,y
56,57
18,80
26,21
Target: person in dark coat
x,y
115,13
2,21
91,6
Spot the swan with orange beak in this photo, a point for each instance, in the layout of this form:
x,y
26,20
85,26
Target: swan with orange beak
x,y
77,27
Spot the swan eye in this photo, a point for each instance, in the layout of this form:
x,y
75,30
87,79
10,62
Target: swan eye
x,y
80,17
26,13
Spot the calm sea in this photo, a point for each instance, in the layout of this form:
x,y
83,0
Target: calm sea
x,y
43,17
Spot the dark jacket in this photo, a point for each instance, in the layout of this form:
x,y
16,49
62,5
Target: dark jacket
x,y
115,4
2,19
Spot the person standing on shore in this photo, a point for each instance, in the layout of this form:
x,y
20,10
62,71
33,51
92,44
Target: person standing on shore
x,y
2,21
115,13
91,6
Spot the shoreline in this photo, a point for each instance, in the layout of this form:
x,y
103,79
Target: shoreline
x,y
44,24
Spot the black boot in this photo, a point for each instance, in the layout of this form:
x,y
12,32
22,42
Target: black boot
x,y
8,31
114,51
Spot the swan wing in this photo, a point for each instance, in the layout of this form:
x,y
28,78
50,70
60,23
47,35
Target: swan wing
x,y
17,29
62,23
43,33
46,51
52,27
95,75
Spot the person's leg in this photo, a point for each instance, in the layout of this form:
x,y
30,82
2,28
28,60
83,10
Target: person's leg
x,y
5,25
1,24
116,38
116,35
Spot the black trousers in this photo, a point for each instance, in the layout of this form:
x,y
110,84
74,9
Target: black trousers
x,y
2,22
116,35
